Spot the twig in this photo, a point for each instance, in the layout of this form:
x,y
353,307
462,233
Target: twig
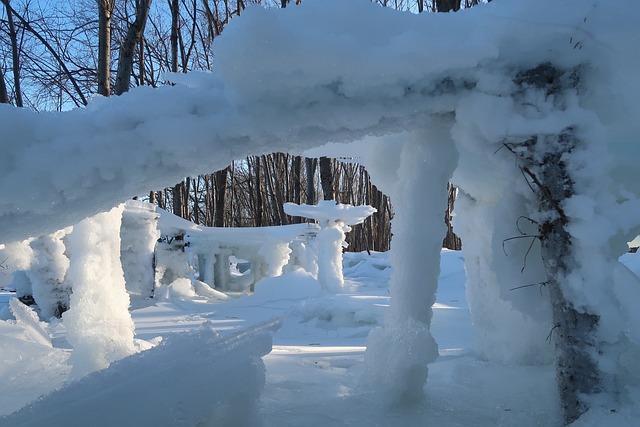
x,y
514,238
541,284
545,192
528,219
557,325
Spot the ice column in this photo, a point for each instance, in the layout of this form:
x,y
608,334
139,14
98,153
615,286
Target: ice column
x,y
47,274
398,353
99,326
139,235
335,220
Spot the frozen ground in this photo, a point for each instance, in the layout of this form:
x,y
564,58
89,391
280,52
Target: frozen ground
x,y
314,375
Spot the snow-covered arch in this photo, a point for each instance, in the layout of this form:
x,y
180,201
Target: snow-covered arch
x,y
433,91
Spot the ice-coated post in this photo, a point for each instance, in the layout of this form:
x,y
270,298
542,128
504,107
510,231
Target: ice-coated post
x,y
335,220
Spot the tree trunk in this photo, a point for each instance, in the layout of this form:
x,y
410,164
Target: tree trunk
x,y
326,178
105,9
221,197
447,5
175,14
577,371
258,214
451,240
310,170
13,36
177,199
543,161
4,95
296,176
128,47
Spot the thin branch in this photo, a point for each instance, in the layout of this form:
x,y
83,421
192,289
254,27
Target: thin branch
x,y
46,44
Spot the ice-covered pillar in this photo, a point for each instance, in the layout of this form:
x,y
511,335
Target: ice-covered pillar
x,y
335,220
276,254
98,323
139,236
47,274
398,353
221,272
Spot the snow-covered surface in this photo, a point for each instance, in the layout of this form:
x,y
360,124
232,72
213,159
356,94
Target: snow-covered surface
x,y
314,375
335,71
328,211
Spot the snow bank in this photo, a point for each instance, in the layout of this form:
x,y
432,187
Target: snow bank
x,y
196,378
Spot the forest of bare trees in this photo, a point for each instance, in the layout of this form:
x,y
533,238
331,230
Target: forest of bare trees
x,y
55,55
251,193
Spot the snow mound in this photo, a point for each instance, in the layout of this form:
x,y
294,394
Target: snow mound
x,y
189,379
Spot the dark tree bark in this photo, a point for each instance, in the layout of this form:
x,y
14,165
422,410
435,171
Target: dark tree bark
x,y
128,47
15,54
221,197
310,170
447,5
326,178
451,240
175,14
297,179
259,205
4,95
177,199
574,329
105,10
542,160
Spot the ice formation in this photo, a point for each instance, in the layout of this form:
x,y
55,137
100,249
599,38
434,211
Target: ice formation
x,y
335,219
283,82
98,323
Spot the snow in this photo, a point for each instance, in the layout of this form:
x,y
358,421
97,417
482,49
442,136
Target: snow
x,y
335,71
314,375
335,220
138,235
175,384
98,323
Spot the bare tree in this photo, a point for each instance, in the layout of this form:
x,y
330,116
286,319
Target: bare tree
x,y
128,47
326,178
447,5
4,95
13,36
175,14
105,11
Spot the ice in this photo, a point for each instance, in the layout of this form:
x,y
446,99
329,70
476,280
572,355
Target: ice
x,y
190,379
98,323
332,71
335,220
139,234
28,320
47,274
